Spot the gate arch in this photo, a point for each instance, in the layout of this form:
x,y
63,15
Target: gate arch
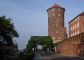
x,y
44,41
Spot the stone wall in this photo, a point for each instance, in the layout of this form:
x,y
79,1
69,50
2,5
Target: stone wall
x,y
72,46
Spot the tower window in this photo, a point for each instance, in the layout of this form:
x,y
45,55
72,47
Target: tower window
x,y
56,25
53,38
48,15
59,37
56,9
57,20
61,20
53,9
59,9
57,31
53,14
78,32
59,14
71,35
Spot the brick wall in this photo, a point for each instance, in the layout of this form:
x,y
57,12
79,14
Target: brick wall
x,y
72,46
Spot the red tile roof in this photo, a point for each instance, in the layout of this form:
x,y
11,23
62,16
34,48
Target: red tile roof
x,y
55,6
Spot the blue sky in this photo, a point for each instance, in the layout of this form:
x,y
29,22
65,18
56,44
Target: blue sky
x,y
30,16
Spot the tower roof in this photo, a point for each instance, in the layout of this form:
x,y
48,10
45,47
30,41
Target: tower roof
x,y
55,6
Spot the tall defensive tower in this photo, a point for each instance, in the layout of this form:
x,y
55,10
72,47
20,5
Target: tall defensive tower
x,y
56,29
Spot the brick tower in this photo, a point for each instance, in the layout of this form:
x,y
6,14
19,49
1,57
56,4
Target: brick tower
x,y
56,29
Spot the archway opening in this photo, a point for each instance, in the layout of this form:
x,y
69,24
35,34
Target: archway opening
x,y
41,43
39,47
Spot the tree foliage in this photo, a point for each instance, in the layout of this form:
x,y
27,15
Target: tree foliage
x,y
7,29
34,41
42,40
7,33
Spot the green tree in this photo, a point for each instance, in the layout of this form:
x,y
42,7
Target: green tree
x,y
7,33
7,30
34,41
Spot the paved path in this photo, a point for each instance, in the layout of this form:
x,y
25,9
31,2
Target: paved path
x,y
41,55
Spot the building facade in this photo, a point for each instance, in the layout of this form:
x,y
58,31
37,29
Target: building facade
x,y
56,29
76,25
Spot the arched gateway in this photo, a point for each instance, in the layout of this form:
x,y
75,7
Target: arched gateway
x,y
41,43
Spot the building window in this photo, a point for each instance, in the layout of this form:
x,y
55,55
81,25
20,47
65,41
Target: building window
x,y
53,38
56,20
61,20
77,24
71,35
77,18
53,14
75,33
57,31
59,37
59,14
78,32
53,9
73,21
56,25
73,28
70,23
59,9
56,9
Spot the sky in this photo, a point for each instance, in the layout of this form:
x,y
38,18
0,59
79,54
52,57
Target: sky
x,y
30,16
